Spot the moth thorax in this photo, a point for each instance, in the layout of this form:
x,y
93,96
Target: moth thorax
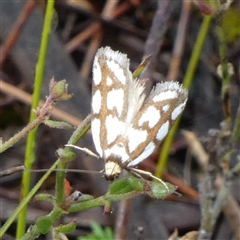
x,y
112,170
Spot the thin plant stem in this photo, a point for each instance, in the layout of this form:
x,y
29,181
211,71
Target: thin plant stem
x,y
31,139
25,201
60,175
188,79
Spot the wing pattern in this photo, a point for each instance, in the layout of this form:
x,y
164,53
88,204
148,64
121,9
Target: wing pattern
x,y
126,127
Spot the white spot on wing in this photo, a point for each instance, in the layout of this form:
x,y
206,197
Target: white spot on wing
x,y
162,132
115,99
96,102
135,137
151,115
118,71
109,81
114,127
95,126
147,152
177,111
166,108
170,94
97,72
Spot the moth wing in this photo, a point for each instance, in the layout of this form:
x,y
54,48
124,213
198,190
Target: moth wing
x,y
112,91
154,120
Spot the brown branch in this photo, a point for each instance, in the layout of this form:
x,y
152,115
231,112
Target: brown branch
x,y
107,13
180,41
122,219
196,149
94,27
16,31
156,35
231,210
27,98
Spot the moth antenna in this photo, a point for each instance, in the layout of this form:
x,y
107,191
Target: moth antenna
x,y
86,150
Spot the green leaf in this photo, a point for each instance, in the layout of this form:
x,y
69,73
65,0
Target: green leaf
x,y
97,230
67,228
158,190
99,233
109,233
85,197
132,186
136,183
58,124
45,197
44,224
230,25
141,67
120,186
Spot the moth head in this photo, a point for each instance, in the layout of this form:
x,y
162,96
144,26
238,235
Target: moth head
x,y
112,170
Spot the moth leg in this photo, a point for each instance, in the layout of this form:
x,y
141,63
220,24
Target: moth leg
x,y
148,174
138,175
86,150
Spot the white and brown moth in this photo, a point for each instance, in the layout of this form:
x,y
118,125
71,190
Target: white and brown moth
x,y
126,126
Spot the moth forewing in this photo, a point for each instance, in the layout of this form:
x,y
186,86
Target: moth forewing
x,y
112,92
111,77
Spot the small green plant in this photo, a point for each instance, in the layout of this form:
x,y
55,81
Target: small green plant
x,y
98,233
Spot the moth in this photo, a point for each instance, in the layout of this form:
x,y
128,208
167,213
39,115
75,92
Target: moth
x,y
126,125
